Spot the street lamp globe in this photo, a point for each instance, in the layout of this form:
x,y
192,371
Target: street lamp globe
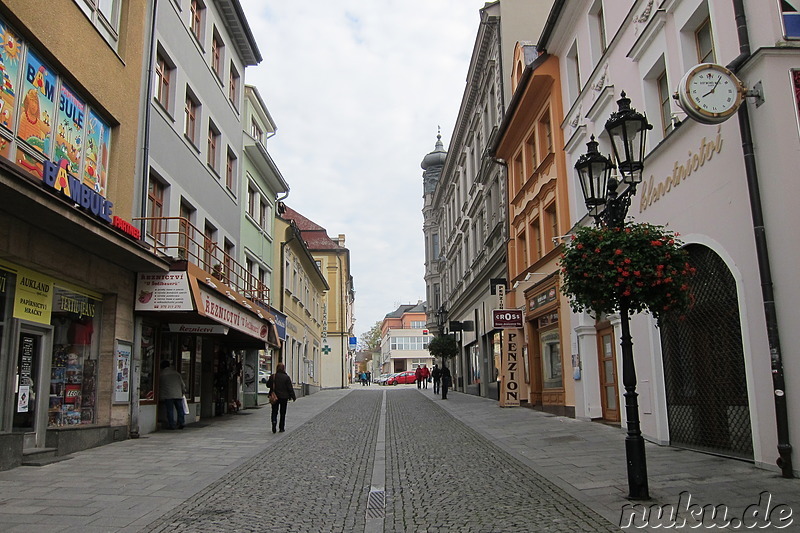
x,y
594,170
627,129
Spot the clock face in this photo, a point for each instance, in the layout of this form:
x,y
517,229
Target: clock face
x,y
710,93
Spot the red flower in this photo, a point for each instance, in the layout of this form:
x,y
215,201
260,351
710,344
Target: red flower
x,y
627,261
656,243
579,246
618,251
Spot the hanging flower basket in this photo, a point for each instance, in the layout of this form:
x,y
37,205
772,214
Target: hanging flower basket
x,y
642,265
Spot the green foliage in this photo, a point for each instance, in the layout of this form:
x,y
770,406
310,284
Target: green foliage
x,y
443,346
371,340
642,264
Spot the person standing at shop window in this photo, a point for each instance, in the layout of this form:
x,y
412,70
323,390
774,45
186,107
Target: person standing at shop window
x,y
446,381
281,384
170,392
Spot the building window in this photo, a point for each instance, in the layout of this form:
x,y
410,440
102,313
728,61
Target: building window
x,y
233,87
256,132
573,72
230,171
164,75
705,43
190,124
522,251
791,18
155,208
536,231
597,30
197,9
546,134
551,226
216,53
213,145
209,251
252,201
186,235
263,213
664,104
104,14
550,345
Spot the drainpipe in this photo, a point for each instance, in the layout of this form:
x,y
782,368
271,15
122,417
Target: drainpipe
x,y
784,460
137,329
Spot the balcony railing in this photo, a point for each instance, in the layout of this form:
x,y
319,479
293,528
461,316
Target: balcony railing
x,y
177,239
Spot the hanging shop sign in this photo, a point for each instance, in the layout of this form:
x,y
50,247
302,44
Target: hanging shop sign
x,y
163,291
507,318
511,363
230,315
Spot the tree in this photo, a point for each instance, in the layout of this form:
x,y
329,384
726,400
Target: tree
x,y
371,340
443,346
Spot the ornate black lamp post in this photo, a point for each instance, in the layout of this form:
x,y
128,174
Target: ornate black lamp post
x,y
627,129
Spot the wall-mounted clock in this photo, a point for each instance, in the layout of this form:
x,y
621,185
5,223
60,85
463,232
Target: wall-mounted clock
x,y
710,93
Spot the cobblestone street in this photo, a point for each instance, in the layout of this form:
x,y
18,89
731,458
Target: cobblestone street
x,y
441,476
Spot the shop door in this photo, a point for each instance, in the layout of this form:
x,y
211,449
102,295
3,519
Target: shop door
x,y
608,374
32,380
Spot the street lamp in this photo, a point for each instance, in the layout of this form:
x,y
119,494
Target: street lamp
x,y
627,129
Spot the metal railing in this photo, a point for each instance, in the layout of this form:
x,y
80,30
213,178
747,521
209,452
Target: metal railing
x,y
178,239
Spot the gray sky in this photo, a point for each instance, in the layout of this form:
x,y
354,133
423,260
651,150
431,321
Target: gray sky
x,y
357,89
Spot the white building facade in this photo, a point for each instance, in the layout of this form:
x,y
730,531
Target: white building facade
x,y
704,383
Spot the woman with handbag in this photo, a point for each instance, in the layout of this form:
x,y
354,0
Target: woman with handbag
x,y
280,391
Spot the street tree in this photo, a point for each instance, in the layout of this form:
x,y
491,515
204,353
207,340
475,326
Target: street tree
x,y
443,346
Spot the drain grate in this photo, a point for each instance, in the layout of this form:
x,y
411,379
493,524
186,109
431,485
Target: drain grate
x,y
376,504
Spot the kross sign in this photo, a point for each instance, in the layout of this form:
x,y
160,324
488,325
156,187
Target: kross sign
x,y
507,318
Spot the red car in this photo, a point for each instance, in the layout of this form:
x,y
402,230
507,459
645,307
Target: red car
x,y
409,376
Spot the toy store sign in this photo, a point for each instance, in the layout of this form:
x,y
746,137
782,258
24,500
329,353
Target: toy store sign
x,y
229,315
163,291
33,299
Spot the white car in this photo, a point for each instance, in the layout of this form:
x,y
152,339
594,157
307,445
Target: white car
x,y
263,376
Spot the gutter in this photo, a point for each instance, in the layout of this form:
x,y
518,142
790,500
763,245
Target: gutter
x,y
784,460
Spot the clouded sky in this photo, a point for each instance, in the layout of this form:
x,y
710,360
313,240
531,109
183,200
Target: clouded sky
x,y
357,89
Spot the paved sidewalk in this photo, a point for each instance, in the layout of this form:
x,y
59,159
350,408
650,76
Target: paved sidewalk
x,y
128,485
587,460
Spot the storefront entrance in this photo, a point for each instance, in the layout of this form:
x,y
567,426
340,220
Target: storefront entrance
x,y
32,346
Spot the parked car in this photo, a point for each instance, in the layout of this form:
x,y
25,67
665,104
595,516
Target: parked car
x,y
382,379
263,376
409,376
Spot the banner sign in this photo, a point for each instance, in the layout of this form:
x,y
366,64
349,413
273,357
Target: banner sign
x,y
163,291
33,299
230,315
511,361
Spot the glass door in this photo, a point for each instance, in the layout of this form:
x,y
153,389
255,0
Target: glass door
x,y
609,391
31,391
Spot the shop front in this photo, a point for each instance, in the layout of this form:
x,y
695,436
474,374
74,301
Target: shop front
x,y
548,387
212,336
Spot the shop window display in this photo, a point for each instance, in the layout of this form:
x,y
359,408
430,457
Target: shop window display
x,y
147,374
73,375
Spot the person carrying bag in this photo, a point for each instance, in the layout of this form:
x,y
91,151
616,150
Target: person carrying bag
x,y
280,386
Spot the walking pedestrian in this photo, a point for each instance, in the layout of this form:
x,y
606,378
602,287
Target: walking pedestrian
x,y
363,379
446,381
170,392
281,384
369,379
436,374
418,375
425,375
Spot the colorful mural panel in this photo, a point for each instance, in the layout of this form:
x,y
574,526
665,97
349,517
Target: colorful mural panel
x,y
69,132
38,105
10,51
98,144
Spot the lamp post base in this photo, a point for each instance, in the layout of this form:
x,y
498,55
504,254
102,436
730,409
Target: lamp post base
x,y
637,468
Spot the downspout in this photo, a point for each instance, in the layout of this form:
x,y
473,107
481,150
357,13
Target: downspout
x,y
137,331
784,462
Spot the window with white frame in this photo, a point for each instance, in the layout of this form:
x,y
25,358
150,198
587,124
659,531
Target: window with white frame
x,y
597,30
705,42
409,343
573,73
664,98
104,14
790,10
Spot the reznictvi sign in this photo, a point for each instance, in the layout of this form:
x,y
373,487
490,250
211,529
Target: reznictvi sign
x,y
652,191
512,355
229,315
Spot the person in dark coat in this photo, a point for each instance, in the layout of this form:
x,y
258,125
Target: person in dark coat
x,y
418,375
281,384
436,374
446,381
170,393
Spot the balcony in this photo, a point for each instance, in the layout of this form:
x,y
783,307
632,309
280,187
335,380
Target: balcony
x,y
176,239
